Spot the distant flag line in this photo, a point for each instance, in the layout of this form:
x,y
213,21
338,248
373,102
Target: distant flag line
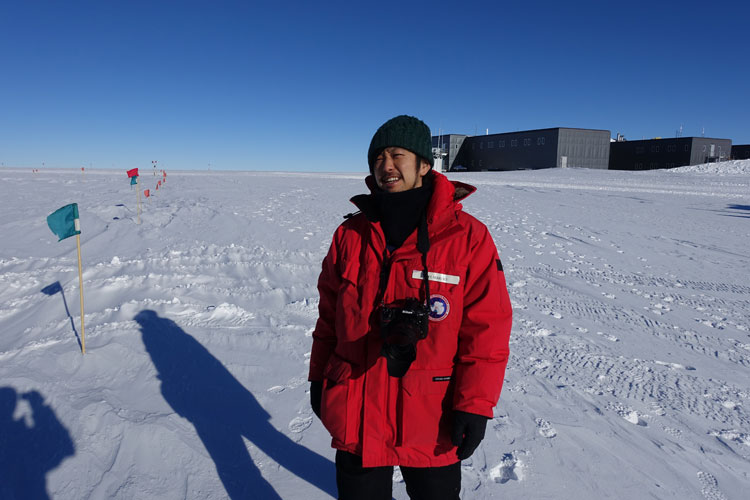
x,y
148,193
64,223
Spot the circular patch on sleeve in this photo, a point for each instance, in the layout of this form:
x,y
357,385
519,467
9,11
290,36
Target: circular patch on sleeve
x,y
439,307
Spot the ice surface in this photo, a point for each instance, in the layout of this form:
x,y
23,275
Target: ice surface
x,y
630,351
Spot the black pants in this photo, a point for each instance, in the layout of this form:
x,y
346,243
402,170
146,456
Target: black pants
x,y
375,483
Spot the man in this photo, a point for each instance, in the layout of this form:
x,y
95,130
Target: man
x,y
410,348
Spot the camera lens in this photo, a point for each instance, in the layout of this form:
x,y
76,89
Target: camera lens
x,y
399,358
402,327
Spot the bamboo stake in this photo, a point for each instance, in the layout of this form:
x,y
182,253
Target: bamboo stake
x,y
80,289
138,188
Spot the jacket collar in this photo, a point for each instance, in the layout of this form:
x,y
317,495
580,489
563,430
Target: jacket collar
x,y
445,201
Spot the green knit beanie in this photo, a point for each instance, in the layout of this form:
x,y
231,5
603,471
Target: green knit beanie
x,y
404,132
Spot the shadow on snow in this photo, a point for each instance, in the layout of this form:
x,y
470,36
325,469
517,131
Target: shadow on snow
x,y
744,208
53,289
199,388
30,445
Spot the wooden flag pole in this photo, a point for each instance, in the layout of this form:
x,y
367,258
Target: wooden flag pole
x,y
80,289
138,188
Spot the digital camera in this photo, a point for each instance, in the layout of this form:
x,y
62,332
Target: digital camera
x,y
401,327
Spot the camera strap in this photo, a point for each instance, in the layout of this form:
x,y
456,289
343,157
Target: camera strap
x,y
423,245
385,273
402,327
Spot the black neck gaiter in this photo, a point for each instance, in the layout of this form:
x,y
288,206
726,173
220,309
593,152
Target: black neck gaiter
x,y
399,213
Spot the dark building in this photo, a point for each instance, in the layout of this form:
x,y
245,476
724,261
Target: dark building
x,y
667,153
741,152
533,149
445,148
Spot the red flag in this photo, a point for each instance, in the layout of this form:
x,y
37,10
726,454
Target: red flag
x,y
158,183
133,172
146,193
157,187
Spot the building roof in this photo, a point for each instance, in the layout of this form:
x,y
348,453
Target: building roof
x,y
542,130
672,139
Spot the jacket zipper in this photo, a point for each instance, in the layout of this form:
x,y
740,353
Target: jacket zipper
x,y
385,272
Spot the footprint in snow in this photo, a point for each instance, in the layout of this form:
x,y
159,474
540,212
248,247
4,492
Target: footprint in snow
x,y
674,366
628,414
300,424
510,468
542,332
710,486
611,338
658,409
675,433
635,419
545,428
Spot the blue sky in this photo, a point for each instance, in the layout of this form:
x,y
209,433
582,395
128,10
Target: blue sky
x,y
303,85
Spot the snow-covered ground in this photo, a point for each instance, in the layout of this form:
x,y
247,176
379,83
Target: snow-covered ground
x,y
629,374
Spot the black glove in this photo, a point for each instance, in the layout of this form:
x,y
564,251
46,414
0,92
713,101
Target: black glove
x,y
468,432
316,393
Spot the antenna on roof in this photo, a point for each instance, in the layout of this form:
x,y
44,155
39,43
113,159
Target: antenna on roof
x,y
679,131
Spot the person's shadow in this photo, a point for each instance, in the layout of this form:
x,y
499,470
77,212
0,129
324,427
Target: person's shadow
x,y
199,388
29,447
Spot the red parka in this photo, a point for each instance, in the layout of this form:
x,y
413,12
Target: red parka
x,y
459,366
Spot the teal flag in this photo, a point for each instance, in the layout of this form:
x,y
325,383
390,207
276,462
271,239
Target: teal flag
x,y
64,221
134,180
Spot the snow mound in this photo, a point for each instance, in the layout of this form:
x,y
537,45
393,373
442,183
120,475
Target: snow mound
x,y
732,167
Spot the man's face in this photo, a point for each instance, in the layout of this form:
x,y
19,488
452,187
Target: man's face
x,y
398,169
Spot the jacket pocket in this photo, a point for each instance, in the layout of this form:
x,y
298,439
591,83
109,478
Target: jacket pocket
x,y
333,407
426,409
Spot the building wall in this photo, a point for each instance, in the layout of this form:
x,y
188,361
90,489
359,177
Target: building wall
x,y
740,152
451,144
707,150
533,149
666,153
650,154
583,148
536,149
